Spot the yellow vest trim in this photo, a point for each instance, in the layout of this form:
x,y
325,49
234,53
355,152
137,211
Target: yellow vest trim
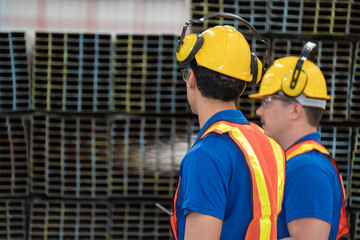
x,y
281,172
279,156
305,148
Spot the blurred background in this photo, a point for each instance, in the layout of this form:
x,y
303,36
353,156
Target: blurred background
x,y
94,120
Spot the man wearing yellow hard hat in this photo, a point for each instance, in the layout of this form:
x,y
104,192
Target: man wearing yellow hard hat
x,y
293,96
232,179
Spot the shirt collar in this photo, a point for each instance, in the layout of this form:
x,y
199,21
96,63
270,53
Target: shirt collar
x,y
312,136
235,116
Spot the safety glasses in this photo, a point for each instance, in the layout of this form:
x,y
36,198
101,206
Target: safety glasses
x,y
185,74
266,101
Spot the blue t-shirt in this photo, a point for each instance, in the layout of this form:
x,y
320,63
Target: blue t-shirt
x,y
312,189
215,180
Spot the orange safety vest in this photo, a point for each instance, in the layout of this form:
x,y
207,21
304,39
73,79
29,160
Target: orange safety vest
x,y
266,161
309,145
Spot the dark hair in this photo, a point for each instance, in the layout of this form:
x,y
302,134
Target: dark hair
x,y
215,85
313,114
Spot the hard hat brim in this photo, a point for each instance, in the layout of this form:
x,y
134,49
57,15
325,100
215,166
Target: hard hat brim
x,y
258,95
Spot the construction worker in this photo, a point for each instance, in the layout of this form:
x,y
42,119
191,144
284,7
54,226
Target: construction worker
x,y
231,180
293,96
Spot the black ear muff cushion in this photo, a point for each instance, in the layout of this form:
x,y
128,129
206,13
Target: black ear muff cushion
x,y
254,70
194,51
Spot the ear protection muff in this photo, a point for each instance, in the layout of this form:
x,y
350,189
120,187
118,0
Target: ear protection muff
x,y
256,67
188,48
295,80
191,46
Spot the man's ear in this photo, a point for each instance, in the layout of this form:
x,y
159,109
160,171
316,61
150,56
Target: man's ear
x,y
297,111
192,80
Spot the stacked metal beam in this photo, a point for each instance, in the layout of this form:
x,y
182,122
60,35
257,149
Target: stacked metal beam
x,y
334,60
355,87
355,173
14,73
304,17
146,78
54,219
355,18
98,220
129,157
12,219
145,155
337,140
14,164
255,12
356,231
92,158
139,220
69,157
72,73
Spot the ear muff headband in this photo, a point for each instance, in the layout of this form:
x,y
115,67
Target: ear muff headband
x,y
297,83
197,46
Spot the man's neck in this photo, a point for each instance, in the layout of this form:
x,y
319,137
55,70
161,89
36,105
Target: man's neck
x,y
294,134
208,107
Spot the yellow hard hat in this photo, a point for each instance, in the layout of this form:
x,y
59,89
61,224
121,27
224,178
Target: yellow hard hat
x,y
222,49
278,77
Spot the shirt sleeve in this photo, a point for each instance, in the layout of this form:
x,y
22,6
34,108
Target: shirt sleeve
x,y
308,193
205,178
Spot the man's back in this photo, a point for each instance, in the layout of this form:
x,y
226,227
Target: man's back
x,y
224,171
216,180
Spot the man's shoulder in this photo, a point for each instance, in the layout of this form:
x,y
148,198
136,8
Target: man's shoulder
x,y
218,147
313,161
213,142
313,157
